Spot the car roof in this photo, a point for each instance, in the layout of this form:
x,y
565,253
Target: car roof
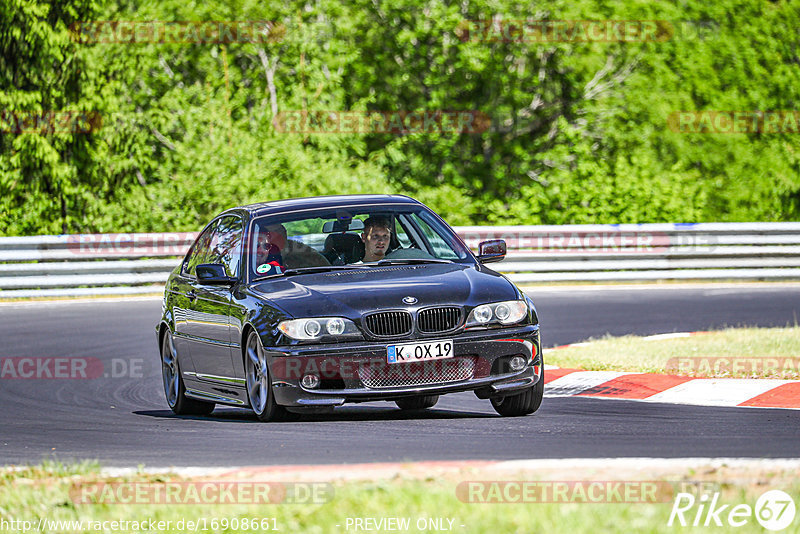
x,y
333,201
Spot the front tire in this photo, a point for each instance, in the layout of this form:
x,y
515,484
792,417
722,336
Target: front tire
x,y
523,403
259,384
174,389
417,403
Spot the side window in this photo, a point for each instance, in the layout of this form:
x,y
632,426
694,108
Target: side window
x,y
402,237
219,243
199,251
441,249
226,244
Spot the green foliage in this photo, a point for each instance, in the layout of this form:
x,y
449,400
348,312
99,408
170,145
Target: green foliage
x,y
578,131
46,176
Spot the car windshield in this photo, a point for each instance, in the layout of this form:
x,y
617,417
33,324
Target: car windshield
x,y
361,237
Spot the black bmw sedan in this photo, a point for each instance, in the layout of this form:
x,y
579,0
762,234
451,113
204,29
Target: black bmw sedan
x,y
303,305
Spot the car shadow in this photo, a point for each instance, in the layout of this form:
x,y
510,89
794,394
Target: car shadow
x,y
349,413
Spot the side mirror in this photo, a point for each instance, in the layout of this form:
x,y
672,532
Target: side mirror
x,y
491,251
213,274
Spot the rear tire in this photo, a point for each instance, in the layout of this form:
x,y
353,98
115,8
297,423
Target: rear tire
x,y
523,403
417,403
174,389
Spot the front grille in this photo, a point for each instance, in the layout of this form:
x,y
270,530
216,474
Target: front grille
x,y
435,320
393,323
417,373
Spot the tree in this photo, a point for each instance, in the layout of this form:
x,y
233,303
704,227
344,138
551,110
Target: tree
x,y
50,154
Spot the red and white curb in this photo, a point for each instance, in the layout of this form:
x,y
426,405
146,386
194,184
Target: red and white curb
x,y
673,389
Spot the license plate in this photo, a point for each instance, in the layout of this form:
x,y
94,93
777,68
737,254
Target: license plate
x,y
420,352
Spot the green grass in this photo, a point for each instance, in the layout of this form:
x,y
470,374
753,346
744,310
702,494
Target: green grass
x,y
44,492
735,352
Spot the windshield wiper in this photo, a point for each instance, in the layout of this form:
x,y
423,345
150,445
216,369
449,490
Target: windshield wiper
x,y
328,268
409,261
321,269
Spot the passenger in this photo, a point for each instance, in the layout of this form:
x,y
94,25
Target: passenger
x,y
376,236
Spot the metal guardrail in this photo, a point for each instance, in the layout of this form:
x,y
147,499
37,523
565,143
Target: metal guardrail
x,y
89,264
637,252
114,264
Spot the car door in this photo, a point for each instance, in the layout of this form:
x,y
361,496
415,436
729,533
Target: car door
x,y
183,296
208,323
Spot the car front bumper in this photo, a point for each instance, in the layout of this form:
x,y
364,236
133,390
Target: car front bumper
x,y
359,372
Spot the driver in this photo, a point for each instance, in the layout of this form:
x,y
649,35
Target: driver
x,y
376,236
293,254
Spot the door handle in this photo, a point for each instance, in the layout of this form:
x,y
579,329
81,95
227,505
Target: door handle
x,y
191,295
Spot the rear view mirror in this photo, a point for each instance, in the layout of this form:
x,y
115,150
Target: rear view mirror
x,y
491,251
343,225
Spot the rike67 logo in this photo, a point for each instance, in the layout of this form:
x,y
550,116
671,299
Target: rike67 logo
x,y
774,510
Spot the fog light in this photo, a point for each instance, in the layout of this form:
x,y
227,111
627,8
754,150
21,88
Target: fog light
x,y
517,363
310,381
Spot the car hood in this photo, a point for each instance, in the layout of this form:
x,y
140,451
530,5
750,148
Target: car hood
x,y
354,292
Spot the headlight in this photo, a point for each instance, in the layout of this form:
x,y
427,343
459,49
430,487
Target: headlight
x,y
311,329
502,311
509,312
482,314
335,327
318,327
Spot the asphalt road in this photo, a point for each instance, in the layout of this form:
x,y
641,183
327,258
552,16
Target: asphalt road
x,y
122,419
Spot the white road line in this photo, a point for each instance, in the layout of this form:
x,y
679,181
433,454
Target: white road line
x,y
82,300
671,335
740,286
565,464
